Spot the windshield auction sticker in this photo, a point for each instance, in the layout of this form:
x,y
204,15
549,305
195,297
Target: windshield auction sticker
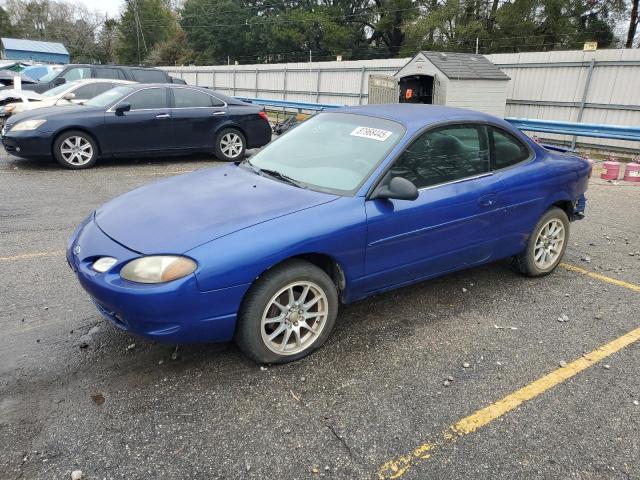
x,y
372,133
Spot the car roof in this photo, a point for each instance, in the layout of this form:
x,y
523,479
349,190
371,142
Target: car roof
x,y
225,98
416,116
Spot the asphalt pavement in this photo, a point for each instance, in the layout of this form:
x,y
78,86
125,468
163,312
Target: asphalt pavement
x,y
399,369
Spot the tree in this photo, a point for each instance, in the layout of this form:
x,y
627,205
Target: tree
x,y
107,40
143,24
6,29
633,24
57,21
174,51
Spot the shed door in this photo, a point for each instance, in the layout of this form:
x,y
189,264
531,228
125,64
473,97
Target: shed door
x,y
383,89
438,92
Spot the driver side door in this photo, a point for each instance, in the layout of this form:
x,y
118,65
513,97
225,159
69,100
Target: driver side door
x,y
145,128
449,225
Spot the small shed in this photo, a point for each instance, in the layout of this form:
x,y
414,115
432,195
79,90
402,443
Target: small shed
x,y
454,79
36,51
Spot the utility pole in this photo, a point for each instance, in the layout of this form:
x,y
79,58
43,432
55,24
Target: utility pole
x,y
310,59
477,45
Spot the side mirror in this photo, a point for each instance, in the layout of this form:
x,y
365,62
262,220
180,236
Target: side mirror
x,y
122,107
59,81
69,96
398,188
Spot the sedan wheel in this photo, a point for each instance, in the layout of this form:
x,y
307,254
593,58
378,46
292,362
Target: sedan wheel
x,y
288,313
230,145
75,150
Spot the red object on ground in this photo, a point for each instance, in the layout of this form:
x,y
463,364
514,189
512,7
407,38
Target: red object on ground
x,y
611,170
632,172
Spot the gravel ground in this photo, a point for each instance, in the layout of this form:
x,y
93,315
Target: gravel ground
x,y
124,408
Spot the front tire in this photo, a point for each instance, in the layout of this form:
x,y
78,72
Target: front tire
x,y
230,145
546,245
75,150
287,314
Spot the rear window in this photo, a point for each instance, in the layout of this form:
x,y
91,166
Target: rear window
x,y
149,76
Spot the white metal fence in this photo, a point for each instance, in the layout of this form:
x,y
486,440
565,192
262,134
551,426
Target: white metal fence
x,y
320,82
589,87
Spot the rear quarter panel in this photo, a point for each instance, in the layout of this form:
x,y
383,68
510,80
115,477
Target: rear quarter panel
x,y
257,131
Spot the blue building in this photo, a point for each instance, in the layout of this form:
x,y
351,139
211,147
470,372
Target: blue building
x,y
49,52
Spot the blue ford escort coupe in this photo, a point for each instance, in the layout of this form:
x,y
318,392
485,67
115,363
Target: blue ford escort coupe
x,y
348,204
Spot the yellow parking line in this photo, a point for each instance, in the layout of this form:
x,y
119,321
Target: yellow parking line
x,y
32,255
602,278
397,467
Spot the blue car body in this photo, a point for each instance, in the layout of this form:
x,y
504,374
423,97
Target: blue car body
x,y
236,225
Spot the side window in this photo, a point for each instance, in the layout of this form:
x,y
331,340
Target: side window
x,y
444,155
148,98
149,76
77,73
113,73
188,98
507,149
101,87
85,92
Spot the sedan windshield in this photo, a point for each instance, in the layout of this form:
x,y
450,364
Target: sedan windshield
x,y
110,97
51,75
334,152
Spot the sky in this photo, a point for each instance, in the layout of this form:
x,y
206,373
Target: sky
x,y
110,7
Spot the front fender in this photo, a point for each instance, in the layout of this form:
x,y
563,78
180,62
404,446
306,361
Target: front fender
x,y
336,229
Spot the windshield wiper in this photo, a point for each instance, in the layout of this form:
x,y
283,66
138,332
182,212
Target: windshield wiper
x,y
275,174
283,177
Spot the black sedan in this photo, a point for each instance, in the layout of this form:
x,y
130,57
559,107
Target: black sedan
x,y
139,119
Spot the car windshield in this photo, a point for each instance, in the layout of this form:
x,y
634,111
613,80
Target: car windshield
x,y
55,91
51,75
334,152
110,97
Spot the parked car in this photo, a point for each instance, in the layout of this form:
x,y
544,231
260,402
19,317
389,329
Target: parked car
x,y
36,72
139,119
68,73
12,97
346,205
75,92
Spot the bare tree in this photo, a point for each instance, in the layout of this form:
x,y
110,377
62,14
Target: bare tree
x,y
633,24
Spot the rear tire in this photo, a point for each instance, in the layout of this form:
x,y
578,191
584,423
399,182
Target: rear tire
x,y
287,314
230,145
546,245
75,150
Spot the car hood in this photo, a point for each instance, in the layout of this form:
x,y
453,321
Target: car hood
x,y
58,111
180,213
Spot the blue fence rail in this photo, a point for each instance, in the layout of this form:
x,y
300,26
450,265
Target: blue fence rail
x,y
594,130
314,107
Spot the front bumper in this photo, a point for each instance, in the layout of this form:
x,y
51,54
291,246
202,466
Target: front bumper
x,y
28,144
174,312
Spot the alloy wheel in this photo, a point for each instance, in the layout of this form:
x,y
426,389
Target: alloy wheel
x,y
294,318
549,243
231,145
76,150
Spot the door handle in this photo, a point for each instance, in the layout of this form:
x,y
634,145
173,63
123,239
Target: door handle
x,y
217,113
163,115
488,200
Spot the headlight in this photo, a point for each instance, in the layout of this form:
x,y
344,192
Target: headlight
x,y
27,125
103,264
157,269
